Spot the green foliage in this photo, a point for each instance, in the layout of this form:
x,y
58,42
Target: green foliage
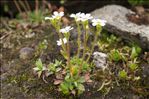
x,y
133,65
39,67
138,2
33,16
41,47
108,41
115,55
72,84
123,74
54,67
136,50
36,17
75,61
112,39
64,54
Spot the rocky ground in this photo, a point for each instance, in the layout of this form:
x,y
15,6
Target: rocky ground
x,y
19,42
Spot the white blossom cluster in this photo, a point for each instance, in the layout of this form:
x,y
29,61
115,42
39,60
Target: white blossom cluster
x,y
56,15
78,17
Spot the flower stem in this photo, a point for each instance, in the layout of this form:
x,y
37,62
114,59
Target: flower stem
x,y
68,55
79,38
85,26
61,37
85,40
98,30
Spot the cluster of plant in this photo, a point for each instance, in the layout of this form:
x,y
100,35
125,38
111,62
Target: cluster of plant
x,y
50,69
138,2
73,70
126,62
122,64
26,10
42,46
76,66
108,41
131,63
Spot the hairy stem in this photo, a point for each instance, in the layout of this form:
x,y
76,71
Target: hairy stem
x,y
85,26
95,40
85,39
78,39
68,55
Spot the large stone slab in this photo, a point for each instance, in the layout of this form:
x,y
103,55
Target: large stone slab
x,y
117,23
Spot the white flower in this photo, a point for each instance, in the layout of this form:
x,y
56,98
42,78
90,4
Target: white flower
x,y
56,15
98,22
85,17
66,29
77,16
81,16
59,42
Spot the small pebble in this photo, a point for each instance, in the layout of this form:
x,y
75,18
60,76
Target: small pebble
x,y
26,53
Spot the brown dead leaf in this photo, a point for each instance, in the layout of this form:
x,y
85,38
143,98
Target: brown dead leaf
x,y
87,77
64,72
57,81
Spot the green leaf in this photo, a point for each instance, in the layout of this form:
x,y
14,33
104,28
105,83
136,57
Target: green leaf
x,y
133,66
64,54
71,86
43,45
81,88
76,84
39,64
52,67
81,80
67,78
123,74
135,52
57,63
74,70
115,55
64,88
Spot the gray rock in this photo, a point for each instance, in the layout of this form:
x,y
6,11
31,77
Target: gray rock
x,y
100,60
145,73
26,53
117,23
